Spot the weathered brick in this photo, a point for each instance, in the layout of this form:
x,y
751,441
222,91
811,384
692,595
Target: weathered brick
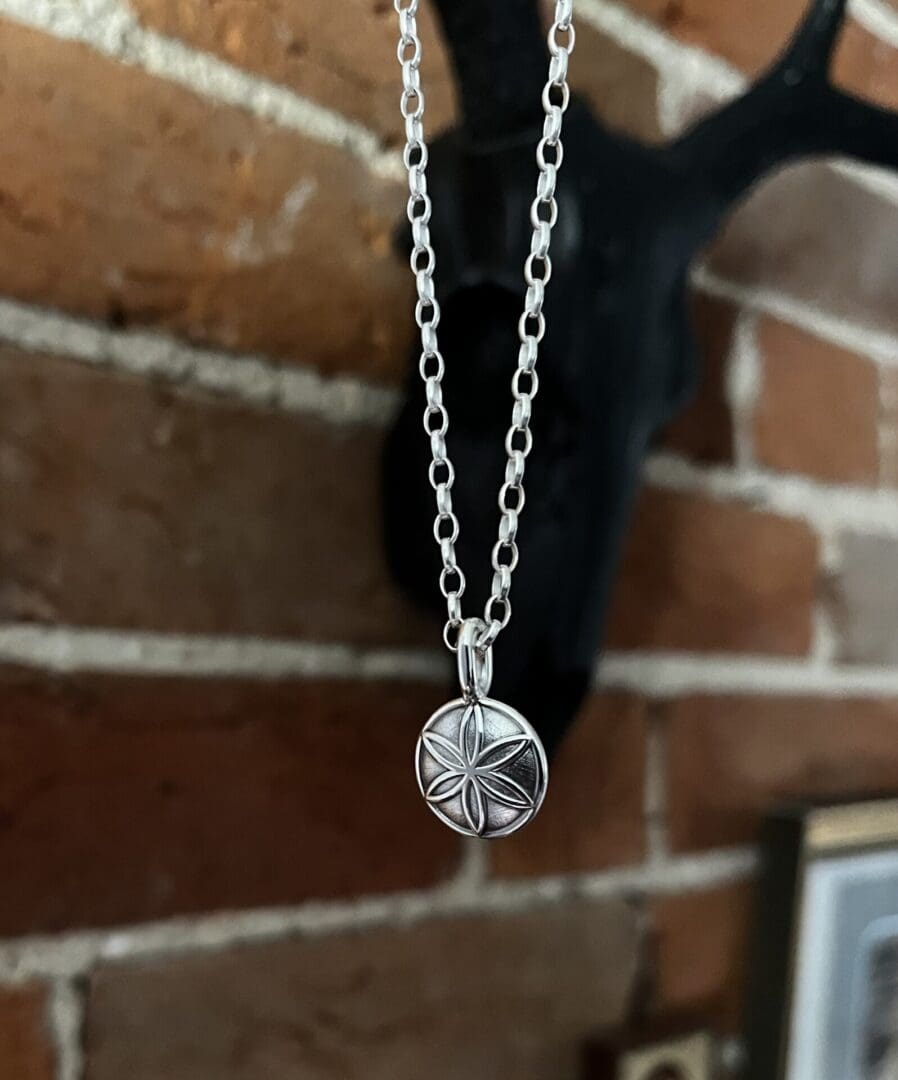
x,y
128,799
714,576
867,66
128,197
864,599
342,57
888,426
594,815
25,1049
506,997
620,86
704,430
750,36
821,237
701,954
134,505
818,409
345,59
734,759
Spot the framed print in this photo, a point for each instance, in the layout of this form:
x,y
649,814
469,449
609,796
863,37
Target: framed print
x,y
825,994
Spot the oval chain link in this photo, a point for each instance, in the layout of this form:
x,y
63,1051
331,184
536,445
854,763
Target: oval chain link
x,y
531,327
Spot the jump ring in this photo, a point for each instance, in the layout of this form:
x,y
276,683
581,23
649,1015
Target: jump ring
x,y
475,664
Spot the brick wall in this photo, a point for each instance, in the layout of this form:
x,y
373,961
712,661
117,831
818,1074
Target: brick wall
x,y
201,651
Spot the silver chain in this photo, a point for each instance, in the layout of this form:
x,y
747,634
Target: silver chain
x,y
531,326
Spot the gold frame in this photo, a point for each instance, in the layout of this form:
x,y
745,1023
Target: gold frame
x,y
853,827
691,1054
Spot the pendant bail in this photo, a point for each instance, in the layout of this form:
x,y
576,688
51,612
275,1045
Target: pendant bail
x,y
475,663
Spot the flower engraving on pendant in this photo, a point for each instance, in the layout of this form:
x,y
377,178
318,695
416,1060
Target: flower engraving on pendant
x,y
481,768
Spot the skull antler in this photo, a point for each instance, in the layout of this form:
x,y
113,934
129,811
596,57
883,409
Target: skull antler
x,y
620,356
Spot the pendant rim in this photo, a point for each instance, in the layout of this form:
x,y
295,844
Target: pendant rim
x,y
509,713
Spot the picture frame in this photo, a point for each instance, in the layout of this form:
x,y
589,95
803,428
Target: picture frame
x,y
824,997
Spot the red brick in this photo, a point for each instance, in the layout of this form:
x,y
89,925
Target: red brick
x,y
864,599
867,66
128,197
701,946
818,409
620,86
704,430
132,505
509,997
25,1050
750,36
345,58
593,817
131,799
888,421
821,237
701,575
734,759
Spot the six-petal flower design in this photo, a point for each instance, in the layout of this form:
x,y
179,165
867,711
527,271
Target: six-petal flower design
x,y
471,769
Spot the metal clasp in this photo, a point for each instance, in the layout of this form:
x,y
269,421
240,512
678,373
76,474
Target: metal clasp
x,y
475,663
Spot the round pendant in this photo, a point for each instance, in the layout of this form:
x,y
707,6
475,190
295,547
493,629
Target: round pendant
x,y
481,767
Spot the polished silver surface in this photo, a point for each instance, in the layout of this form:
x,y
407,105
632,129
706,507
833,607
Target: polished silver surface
x,y
481,767
475,664
531,327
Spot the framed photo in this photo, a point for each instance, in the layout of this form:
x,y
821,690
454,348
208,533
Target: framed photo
x,y
825,994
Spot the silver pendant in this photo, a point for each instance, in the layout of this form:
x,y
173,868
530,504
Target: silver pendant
x,y
480,765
